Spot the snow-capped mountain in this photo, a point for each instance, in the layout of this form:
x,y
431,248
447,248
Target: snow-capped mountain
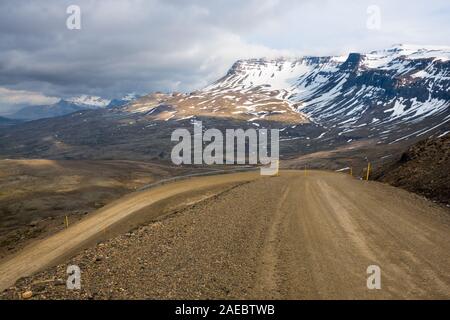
x,y
392,93
89,101
381,100
389,95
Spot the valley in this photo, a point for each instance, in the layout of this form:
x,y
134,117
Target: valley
x,y
396,96
90,181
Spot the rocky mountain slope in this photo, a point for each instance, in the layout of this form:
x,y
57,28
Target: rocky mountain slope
x,y
89,101
423,168
390,94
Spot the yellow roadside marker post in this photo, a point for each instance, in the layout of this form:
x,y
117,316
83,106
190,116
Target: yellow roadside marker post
x,y
368,171
351,171
66,221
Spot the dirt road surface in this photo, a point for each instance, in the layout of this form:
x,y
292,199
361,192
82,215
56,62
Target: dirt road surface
x,y
301,235
53,249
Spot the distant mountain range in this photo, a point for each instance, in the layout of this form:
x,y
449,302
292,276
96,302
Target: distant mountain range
x,y
66,106
381,99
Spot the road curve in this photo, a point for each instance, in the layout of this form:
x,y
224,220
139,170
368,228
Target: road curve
x,y
51,250
300,235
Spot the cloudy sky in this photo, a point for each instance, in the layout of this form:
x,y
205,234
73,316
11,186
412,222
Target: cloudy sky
x,y
179,45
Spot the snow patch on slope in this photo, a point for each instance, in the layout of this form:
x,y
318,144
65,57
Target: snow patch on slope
x,y
85,100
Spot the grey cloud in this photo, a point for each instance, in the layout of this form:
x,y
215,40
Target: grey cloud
x,y
143,46
123,45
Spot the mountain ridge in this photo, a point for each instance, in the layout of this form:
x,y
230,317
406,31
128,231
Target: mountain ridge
x,y
379,99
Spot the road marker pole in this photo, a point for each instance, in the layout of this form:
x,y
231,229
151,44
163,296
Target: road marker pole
x,y
368,171
351,171
67,221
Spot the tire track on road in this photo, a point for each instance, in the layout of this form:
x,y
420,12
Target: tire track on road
x,y
267,275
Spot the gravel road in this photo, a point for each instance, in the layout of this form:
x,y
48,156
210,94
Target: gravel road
x,y
296,236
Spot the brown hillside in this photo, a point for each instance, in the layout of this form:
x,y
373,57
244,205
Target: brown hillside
x,y
424,168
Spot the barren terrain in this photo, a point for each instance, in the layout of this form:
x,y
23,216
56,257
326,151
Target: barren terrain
x,y
37,194
424,168
300,235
